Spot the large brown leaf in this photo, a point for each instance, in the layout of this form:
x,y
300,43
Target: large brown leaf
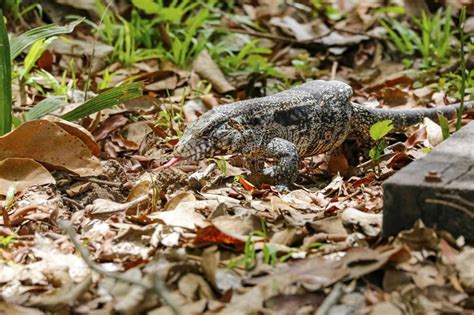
x,y
22,173
48,143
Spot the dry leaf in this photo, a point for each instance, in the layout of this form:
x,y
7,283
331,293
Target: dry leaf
x,y
80,132
433,131
48,143
207,69
109,125
22,173
368,223
185,215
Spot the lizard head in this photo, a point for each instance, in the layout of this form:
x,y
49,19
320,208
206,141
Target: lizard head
x,y
211,134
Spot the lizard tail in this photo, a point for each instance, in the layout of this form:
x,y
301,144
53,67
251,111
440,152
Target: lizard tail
x,y
364,117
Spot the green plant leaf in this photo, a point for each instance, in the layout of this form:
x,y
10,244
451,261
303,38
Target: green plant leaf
x,y
34,53
25,40
380,129
443,122
46,106
5,80
148,6
105,100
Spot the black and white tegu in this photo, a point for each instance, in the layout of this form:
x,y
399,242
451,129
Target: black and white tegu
x,y
309,119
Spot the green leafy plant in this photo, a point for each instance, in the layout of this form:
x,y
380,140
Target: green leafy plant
x,y
5,241
248,259
172,12
17,9
175,31
377,132
109,98
270,254
325,8
5,79
221,165
25,40
37,39
170,118
443,122
251,60
432,41
186,44
462,22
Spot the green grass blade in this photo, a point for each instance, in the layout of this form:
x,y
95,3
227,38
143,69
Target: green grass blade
x,y
395,38
27,39
5,80
46,106
105,100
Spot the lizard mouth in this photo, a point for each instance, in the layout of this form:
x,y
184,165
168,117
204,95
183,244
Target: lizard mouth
x,y
171,162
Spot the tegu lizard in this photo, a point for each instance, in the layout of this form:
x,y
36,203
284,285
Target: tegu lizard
x,y
306,120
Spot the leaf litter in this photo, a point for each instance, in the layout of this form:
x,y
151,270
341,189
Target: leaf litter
x,y
207,237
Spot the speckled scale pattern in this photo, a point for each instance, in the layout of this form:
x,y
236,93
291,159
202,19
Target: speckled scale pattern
x,y
309,119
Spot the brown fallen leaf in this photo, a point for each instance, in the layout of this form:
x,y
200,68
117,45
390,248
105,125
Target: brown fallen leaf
x,y
12,309
211,235
465,268
48,143
368,223
394,97
357,262
169,83
206,68
22,173
109,125
80,132
185,214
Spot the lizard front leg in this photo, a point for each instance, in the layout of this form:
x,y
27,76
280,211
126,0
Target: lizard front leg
x,y
286,169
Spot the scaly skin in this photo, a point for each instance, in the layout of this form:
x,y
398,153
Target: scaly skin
x,y
309,119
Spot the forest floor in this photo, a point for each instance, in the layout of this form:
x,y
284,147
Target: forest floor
x,y
91,225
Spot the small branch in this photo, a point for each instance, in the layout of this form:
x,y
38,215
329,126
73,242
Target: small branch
x,y
331,299
6,218
97,181
157,284
451,205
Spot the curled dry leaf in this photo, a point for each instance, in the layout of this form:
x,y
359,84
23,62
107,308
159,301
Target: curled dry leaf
x,y
13,309
465,267
238,228
48,143
169,83
368,223
302,32
212,235
207,69
357,262
181,211
104,207
109,125
80,132
22,173
433,131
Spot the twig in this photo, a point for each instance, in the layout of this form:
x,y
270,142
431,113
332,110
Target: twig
x,y
157,285
264,35
17,217
89,70
6,218
97,181
451,205
457,198
331,299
